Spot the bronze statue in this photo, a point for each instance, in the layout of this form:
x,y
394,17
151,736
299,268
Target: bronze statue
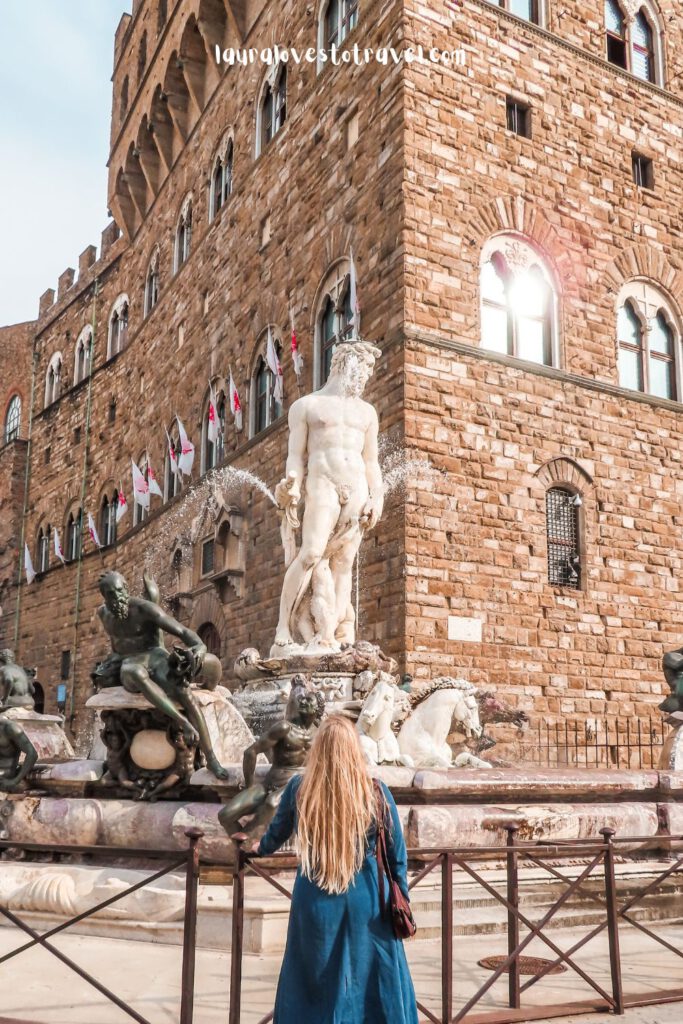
x,y
141,664
289,741
672,664
16,686
13,743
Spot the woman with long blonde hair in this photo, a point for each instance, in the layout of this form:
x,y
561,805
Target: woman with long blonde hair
x,y
342,963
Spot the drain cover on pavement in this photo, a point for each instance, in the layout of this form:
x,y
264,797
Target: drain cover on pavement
x,y
527,965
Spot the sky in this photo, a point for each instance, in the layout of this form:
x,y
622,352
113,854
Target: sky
x,y
55,104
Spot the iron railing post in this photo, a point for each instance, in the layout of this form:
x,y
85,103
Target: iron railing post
x,y
447,938
190,930
513,919
612,920
237,936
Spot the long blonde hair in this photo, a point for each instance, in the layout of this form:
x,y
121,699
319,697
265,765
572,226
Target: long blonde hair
x,y
335,805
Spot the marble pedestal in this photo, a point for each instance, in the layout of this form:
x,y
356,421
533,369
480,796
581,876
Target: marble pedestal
x,y
45,732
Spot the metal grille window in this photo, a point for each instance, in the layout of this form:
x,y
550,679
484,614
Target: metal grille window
x,y
207,557
562,529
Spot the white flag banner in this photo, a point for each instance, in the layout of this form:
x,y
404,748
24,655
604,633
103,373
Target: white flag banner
x,y
275,369
28,565
186,450
173,458
235,404
152,480
140,487
122,506
58,547
212,426
92,530
353,297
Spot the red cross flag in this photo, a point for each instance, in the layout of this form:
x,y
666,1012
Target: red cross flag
x,y
297,358
140,487
122,505
235,404
152,480
212,428
92,530
186,450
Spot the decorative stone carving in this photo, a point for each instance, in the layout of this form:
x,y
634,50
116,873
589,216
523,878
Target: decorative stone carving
x,y
434,709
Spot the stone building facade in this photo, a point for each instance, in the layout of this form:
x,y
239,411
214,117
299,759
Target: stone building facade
x,y
514,220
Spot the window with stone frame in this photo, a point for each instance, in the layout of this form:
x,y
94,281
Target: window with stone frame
x,y
208,557
648,340
213,453
118,327
272,106
562,535
334,319
108,524
43,548
530,10
53,379
74,534
338,19
152,283
221,178
13,419
518,301
83,355
633,39
265,409
183,237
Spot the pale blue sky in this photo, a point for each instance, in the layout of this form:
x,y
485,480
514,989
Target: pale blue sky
x,y
55,101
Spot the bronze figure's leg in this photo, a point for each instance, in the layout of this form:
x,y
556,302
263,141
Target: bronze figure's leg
x,y
246,802
136,678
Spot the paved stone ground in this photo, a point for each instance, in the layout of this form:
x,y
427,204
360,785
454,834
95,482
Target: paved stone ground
x,y
37,988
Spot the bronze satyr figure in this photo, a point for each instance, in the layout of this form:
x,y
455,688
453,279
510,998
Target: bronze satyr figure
x,y
141,664
16,687
13,743
289,741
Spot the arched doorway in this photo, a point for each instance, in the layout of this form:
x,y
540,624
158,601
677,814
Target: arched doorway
x,y
210,637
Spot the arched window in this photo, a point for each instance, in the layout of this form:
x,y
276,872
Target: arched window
x,y
74,531
139,512
221,179
43,548
183,237
162,15
142,56
265,408
339,17
562,533
83,355
518,302
272,108
152,283
13,419
53,379
213,452
635,44
108,524
210,637
333,322
648,340
118,327
172,481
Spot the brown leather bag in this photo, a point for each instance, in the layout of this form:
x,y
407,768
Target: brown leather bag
x,y
402,919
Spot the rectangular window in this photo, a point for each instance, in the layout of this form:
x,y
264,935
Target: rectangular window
x,y
66,665
518,118
207,557
77,435
643,171
616,51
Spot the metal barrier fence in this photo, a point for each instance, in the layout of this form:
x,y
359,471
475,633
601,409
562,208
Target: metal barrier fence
x,y
594,743
188,860
599,863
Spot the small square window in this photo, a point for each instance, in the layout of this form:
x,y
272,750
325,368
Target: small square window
x,y
643,171
207,557
48,453
66,664
112,411
518,118
77,435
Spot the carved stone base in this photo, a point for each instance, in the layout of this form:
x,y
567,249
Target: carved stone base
x,y
45,732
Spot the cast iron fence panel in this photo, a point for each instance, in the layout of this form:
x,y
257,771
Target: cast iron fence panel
x,y
597,861
188,860
593,743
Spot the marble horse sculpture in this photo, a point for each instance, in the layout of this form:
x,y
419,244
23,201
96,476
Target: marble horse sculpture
x,y
377,739
333,471
434,711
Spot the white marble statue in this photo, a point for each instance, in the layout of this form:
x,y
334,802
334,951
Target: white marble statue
x,y
377,739
435,709
332,467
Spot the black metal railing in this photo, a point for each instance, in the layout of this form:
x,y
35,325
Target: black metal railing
x,y
593,743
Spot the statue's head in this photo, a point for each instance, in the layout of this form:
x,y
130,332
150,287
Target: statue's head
x,y
303,700
6,657
114,590
353,363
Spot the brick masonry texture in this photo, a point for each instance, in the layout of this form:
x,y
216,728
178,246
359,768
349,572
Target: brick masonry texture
x,y
433,175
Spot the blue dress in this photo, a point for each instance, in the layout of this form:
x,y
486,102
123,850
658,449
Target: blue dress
x,y
342,962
